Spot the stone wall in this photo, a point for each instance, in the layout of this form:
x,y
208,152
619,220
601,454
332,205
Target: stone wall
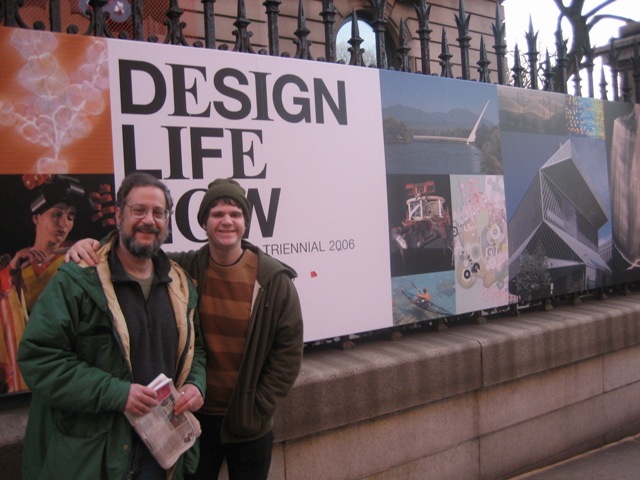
x,y
474,402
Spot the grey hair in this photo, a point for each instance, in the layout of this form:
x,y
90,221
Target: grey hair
x,y
141,179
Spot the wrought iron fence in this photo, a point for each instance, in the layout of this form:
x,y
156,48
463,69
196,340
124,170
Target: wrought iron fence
x,y
152,21
551,73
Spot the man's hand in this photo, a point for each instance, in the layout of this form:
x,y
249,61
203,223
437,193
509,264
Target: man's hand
x,y
84,249
189,399
141,399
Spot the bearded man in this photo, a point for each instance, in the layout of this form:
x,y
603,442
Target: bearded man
x,y
98,335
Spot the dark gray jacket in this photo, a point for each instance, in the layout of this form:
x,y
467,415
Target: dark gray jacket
x,y
273,353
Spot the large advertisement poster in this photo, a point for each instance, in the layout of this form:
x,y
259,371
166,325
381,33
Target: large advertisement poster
x,y
398,198
305,140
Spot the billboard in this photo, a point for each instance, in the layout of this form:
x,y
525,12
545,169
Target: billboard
x,y
398,198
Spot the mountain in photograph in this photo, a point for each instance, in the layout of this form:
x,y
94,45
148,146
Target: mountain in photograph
x,y
419,121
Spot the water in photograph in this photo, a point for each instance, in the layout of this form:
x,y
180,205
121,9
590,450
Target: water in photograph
x,y
433,157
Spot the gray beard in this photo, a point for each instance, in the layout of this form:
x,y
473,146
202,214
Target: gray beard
x,y
139,250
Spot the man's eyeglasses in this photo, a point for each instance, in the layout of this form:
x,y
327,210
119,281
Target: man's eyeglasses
x,y
140,211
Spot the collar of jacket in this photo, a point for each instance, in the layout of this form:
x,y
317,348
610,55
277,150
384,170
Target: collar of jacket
x,y
184,304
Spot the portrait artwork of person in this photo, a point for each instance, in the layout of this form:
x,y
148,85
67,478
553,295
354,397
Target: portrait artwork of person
x,y
54,203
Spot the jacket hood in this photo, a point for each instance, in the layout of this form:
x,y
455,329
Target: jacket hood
x,y
269,266
87,278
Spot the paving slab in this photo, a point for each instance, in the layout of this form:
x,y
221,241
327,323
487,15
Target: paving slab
x,y
617,461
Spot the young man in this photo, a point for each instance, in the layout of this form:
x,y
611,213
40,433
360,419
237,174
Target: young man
x,y
98,336
252,327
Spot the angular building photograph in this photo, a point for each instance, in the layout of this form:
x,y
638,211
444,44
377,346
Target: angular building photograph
x,y
556,227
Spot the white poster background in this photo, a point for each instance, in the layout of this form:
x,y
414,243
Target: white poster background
x,y
333,199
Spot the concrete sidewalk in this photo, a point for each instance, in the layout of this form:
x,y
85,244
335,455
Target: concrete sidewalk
x,y
617,461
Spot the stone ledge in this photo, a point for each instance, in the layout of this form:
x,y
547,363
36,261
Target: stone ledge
x,y
539,341
13,418
336,388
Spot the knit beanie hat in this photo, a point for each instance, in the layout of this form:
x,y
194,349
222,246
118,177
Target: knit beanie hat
x,y
224,188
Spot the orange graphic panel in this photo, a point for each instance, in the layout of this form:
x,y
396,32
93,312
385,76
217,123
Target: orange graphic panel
x,y
55,116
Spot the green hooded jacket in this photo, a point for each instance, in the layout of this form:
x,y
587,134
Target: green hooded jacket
x,y
74,356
